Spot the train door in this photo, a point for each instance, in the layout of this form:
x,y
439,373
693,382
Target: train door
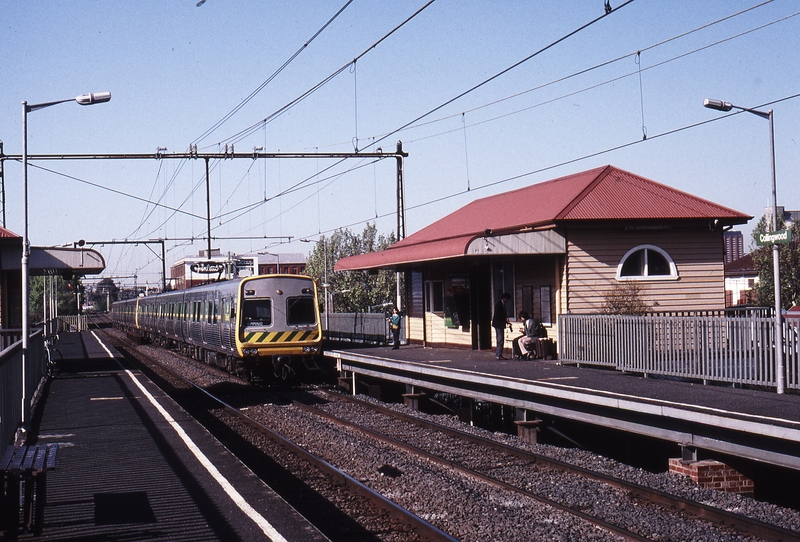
x,y
227,323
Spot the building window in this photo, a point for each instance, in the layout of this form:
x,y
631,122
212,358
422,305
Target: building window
x,y
646,262
546,311
434,296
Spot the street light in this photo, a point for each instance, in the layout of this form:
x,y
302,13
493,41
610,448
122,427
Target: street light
x,y
719,105
325,284
83,99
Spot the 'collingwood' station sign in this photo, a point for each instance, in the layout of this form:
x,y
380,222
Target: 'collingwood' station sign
x,y
207,268
781,237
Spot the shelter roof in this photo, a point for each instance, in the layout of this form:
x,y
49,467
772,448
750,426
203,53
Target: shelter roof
x,y
8,234
66,261
601,194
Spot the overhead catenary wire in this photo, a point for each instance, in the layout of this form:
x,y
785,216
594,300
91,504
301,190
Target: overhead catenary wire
x,y
597,85
639,71
251,96
263,85
660,43
504,71
235,138
565,162
597,67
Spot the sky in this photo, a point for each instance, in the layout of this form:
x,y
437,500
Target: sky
x,y
486,97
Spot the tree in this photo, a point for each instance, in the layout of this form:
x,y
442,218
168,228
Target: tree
x,y
103,292
789,258
65,291
352,291
625,298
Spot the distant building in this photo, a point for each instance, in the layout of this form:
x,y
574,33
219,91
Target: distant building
x,y
740,279
734,246
201,269
290,263
789,217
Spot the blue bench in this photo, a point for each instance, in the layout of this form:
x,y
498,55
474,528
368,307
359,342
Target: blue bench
x,y
25,467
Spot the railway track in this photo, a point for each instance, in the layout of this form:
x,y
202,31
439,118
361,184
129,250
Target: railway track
x,y
521,488
374,513
475,451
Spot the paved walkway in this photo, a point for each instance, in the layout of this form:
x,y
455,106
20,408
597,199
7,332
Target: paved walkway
x,y
132,465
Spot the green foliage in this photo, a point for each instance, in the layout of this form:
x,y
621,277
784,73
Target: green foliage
x,y
65,291
352,291
789,258
625,298
102,292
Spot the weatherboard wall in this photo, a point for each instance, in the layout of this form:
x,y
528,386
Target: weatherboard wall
x,y
593,255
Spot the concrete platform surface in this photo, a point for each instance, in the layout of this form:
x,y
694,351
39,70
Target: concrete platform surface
x,y
132,465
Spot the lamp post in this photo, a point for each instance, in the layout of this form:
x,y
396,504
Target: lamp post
x,y
83,99
719,105
325,284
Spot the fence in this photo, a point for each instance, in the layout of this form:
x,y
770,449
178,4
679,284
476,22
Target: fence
x,y
11,379
362,327
738,350
78,322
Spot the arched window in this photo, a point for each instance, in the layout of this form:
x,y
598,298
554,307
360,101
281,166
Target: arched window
x,y
646,262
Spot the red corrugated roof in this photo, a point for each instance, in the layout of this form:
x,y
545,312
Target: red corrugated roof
x,y
8,233
605,193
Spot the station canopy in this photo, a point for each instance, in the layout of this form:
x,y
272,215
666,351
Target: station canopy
x,y
64,261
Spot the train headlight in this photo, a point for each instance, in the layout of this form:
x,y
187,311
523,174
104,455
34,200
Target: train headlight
x,y
250,351
310,349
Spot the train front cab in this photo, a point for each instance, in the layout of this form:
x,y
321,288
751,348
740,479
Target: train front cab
x,y
279,325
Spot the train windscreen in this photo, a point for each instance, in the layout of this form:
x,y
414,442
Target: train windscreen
x,y
300,311
257,312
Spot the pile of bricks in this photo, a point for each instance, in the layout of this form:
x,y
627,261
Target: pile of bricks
x,y
712,475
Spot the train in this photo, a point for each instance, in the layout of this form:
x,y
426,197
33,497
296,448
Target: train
x,y
261,327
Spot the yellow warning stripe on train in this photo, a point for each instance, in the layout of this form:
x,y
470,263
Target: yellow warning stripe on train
x,y
280,336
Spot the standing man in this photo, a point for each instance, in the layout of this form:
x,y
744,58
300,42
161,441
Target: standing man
x,y
499,323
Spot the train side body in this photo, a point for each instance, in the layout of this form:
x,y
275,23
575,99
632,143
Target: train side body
x,y
266,323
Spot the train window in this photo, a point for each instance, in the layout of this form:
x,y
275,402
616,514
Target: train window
x,y
300,311
257,312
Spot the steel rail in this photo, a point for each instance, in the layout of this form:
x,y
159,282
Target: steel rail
x,y
426,530
598,522
715,515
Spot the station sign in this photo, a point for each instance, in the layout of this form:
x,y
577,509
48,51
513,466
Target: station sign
x,y
780,237
207,268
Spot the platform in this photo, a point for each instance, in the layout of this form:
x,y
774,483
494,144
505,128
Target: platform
x,y
754,424
132,465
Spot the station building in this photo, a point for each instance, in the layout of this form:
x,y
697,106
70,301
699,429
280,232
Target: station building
x,y
560,246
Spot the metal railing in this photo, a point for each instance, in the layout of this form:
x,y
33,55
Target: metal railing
x,y
738,350
361,327
11,384
79,322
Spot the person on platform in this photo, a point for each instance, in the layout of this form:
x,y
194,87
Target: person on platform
x,y
519,346
394,325
499,323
